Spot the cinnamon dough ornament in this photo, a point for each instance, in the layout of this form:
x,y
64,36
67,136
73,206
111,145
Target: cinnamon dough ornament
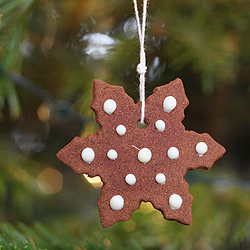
x,y
137,164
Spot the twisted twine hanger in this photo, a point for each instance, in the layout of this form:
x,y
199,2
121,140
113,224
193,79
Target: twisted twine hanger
x,y
141,67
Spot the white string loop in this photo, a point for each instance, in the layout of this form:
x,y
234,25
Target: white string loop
x,y
141,67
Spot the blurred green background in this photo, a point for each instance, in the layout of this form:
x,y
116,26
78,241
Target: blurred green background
x,y
50,52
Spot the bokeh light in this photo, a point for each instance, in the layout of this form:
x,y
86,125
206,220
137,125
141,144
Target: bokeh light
x,y
50,181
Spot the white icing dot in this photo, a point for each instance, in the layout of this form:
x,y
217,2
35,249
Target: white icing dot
x,y
160,178
201,148
121,130
160,125
130,179
112,154
169,103
109,106
117,202
88,155
175,201
173,153
144,155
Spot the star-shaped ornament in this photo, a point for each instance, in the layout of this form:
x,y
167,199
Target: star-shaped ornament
x,y
141,164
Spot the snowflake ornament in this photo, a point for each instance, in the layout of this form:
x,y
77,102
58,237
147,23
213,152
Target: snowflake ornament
x,y
141,164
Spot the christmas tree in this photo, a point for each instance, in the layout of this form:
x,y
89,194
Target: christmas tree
x,y
50,52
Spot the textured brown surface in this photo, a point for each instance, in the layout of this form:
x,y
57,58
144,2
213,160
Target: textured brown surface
x,y
113,172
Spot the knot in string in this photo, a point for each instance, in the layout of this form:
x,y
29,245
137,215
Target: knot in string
x,y
141,67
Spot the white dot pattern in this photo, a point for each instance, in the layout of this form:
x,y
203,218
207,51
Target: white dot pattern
x,y
117,202
175,201
112,154
201,148
88,155
121,130
169,103
144,155
160,178
160,125
109,106
173,153
130,179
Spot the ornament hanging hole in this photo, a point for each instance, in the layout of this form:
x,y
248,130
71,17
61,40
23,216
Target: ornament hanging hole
x,y
141,125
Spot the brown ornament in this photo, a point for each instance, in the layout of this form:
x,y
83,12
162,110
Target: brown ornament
x,y
137,164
